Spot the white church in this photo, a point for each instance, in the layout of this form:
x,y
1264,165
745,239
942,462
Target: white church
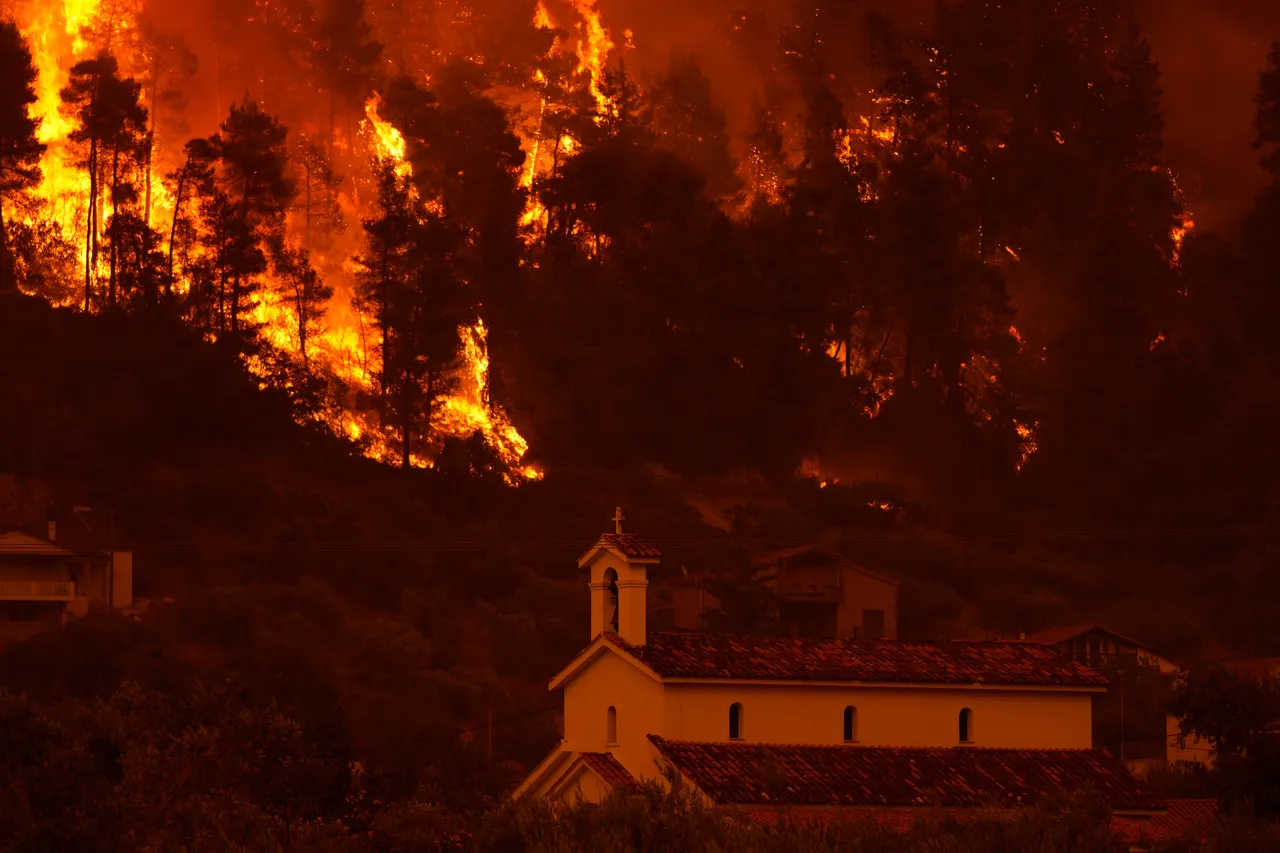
x,y
881,726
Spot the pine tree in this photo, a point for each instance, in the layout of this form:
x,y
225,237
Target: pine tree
x,y
344,56
308,293
244,196
316,202
110,132
689,124
410,288
165,65
382,263
20,150
1267,120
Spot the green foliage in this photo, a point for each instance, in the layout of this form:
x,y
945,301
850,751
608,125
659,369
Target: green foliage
x,y
1234,714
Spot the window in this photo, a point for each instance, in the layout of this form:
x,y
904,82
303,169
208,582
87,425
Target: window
x,y
966,726
873,625
735,721
850,724
611,726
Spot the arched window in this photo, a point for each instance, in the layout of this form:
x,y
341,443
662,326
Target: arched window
x,y
966,725
611,726
850,724
735,721
611,606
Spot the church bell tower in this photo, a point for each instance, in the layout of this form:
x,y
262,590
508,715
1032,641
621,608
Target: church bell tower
x,y
618,568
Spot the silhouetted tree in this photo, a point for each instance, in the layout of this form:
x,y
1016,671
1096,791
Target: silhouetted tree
x,y
344,56
20,150
244,195
306,292
689,124
111,134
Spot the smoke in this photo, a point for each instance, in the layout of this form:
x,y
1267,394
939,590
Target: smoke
x,y
1210,53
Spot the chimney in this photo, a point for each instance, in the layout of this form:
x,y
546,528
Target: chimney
x,y
53,531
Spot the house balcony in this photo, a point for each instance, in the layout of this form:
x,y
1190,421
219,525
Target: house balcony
x,y
31,590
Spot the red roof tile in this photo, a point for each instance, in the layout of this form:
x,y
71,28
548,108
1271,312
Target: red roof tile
x,y
736,774
630,545
1181,819
697,655
608,768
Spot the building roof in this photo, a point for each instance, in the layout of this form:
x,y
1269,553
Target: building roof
x,y
1179,820
608,769
14,543
1054,636
630,545
738,774
771,557
700,655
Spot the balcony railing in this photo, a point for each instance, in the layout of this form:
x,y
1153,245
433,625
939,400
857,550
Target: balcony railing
x,y
37,590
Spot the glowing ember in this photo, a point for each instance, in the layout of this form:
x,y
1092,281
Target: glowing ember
x,y
1027,443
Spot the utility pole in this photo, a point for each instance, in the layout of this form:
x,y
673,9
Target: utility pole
x,y
488,750
1122,716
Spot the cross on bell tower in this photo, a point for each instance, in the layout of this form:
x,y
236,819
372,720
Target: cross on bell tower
x,y
617,566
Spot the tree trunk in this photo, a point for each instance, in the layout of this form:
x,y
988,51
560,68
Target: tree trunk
x,y
8,276
173,229
384,321
406,417
300,297
115,222
91,230
306,226
333,109
237,281
151,137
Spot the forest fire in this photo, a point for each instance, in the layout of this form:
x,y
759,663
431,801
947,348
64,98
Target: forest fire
x,y
293,260
880,322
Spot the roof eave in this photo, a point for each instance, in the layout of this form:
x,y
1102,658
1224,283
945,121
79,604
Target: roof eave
x,y
885,685
597,647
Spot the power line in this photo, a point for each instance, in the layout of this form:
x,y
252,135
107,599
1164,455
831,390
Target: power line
x,y
707,543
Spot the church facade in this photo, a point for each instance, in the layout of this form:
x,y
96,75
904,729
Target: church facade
x,y
839,722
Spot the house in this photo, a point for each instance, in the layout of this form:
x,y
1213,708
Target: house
x,y
813,723
1129,720
1097,647
43,583
820,593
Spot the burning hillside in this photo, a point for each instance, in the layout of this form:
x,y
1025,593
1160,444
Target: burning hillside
x,y
392,210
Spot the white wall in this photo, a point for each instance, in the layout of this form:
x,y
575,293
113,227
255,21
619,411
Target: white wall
x,y
886,716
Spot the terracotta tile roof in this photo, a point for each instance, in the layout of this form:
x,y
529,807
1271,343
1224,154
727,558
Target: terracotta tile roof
x,y
735,774
1181,819
630,545
608,768
700,655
